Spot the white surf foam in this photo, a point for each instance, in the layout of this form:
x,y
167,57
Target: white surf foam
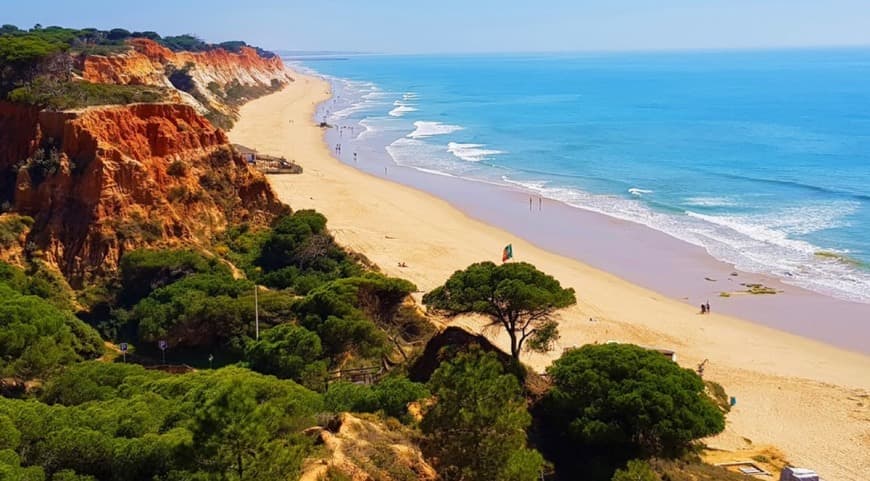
x,y
425,129
711,202
762,243
639,192
471,152
401,108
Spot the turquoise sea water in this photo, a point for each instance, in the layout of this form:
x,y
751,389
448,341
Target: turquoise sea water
x,y
762,158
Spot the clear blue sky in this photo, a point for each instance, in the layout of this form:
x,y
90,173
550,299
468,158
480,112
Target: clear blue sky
x,y
423,26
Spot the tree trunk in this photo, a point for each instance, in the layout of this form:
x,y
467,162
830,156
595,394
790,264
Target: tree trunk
x,y
514,347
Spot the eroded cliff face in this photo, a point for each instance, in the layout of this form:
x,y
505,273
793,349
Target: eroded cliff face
x,y
217,75
103,181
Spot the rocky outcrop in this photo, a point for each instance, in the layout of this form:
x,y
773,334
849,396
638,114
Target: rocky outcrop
x,y
220,79
103,181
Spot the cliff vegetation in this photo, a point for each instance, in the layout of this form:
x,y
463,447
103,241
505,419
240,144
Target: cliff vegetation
x,y
62,68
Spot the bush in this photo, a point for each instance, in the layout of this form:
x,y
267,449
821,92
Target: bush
x,y
477,428
629,399
50,94
394,393
201,310
177,169
289,352
138,424
345,396
11,228
635,470
142,271
36,337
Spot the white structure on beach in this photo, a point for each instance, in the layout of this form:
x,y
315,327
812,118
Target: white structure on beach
x,y
798,474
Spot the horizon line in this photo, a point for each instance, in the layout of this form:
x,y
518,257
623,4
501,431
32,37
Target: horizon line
x,y
770,48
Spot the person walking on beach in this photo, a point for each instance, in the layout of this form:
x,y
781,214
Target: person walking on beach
x,y
708,307
703,308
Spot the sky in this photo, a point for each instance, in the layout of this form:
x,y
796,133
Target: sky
x,y
442,26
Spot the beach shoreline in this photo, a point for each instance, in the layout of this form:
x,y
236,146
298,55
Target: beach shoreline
x,y
693,276
798,394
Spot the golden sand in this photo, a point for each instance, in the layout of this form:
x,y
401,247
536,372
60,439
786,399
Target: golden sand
x,y
808,399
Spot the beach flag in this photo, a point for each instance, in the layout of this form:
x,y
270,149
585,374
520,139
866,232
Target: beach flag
x,y
507,253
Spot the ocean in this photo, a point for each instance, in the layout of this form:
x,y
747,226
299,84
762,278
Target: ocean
x,y
760,157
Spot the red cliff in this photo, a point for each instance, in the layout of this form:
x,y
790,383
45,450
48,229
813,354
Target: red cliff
x,y
214,73
103,181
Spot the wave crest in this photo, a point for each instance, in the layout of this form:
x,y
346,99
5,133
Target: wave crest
x,y
471,152
425,129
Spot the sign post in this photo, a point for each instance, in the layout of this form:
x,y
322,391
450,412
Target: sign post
x,y
256,314
163,345
123,347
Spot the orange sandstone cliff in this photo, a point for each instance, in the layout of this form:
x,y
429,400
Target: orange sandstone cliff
x,y
103,181
220,79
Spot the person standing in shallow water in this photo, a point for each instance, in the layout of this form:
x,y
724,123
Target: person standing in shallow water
x,y
703,308
708,307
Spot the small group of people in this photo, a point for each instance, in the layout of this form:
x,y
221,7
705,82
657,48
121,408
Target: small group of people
x,y
705,308
338,149
402,264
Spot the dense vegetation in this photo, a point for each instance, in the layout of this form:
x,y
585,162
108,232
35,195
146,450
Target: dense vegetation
x,y
69,95
37,337
613,402
476,430
322,309
37,64
104,421
119,421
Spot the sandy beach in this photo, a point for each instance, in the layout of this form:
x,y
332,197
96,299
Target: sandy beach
x,y
807,398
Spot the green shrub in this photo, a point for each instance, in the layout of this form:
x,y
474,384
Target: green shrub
x,y
635,470
144,270
177,168
289,352
11,228
50,94
343,396
36,337
394,393
628,399
477,428
129,423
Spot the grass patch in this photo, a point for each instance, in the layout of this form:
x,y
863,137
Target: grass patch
x,y
692,470
718,395
72,95
102,50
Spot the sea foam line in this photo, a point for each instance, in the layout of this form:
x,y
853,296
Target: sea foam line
x,y
425,129
471,152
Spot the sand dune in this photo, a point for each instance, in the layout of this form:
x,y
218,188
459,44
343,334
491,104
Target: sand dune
x,y
809,399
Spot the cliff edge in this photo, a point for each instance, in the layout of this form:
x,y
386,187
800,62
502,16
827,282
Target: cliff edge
x,y
214,82
102,181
